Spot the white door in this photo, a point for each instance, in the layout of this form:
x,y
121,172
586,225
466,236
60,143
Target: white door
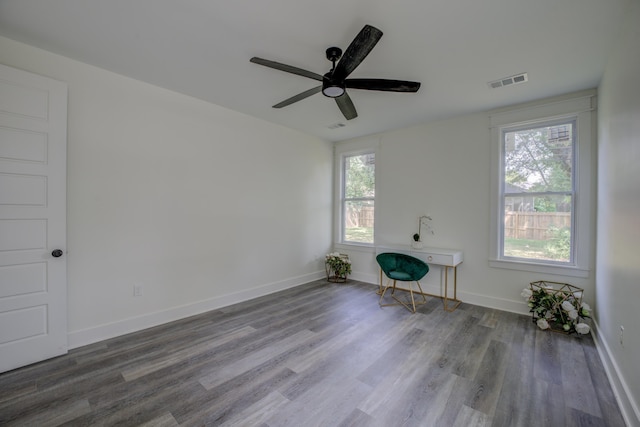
x,y
33,280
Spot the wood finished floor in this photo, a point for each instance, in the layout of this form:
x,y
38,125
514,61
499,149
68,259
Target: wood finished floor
x,y
322,355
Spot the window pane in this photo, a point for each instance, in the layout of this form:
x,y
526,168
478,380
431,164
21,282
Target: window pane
x,y
538,227
359,175
539,160
358,221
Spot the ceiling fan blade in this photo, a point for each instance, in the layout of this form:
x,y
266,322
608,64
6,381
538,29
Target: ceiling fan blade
x,y
357,51
299,97
346,106
286,68
383,84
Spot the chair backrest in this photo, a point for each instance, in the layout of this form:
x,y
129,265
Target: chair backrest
x,y
414,267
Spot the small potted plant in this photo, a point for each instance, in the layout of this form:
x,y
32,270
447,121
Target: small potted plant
x,y
338,267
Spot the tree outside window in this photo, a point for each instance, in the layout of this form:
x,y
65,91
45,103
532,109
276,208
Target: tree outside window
x,y
538,192
358,199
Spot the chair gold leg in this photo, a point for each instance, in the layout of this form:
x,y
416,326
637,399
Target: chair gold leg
x,y
393,289
424,298
411,306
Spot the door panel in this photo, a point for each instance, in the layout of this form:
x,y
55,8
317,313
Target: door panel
x,y
26,190
23,145
23,235
33,283
23,279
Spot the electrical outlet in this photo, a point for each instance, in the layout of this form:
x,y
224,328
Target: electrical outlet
x,y
137,290
622,335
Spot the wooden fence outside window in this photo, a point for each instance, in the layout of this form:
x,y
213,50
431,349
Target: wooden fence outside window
x,y
534,225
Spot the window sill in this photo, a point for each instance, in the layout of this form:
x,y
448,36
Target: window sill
x,y
360,247
559,270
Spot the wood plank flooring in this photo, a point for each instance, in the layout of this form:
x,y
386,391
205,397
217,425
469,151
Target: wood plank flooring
x,y
322,354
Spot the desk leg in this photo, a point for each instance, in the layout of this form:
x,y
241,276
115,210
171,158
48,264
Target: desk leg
x,y
455,300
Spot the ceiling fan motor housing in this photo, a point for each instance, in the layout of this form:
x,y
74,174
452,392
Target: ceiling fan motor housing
x,y
333,54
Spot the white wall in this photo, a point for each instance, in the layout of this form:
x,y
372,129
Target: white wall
x,y
443,169
190,200
618,254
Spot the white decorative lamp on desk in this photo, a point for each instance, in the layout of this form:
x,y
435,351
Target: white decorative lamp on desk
x,y
426,221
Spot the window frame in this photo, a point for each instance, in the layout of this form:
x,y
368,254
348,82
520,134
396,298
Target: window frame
x,y
341,153
572,192
581,110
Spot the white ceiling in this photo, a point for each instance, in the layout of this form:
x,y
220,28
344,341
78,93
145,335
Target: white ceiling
x,y
453,47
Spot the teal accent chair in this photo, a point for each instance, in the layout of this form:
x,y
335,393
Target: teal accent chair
x,y
403,268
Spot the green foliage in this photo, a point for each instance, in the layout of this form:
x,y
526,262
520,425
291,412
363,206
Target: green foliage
x,y
359,234
524,248
360,176
339,264
535,163
544,204
559,245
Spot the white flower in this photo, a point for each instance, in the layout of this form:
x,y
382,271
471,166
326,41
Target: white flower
x,y
567,306
582,328
543,324
526,293
573,314
577,294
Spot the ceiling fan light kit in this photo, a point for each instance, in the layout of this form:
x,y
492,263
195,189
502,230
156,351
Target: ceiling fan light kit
x,y
332,90
335,82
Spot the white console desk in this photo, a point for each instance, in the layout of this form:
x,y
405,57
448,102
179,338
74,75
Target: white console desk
x,y
446,258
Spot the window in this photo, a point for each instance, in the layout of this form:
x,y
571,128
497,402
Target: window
x,y
541,187
357,198
538,192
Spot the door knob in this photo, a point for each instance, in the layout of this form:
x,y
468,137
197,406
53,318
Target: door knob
x,y
57,253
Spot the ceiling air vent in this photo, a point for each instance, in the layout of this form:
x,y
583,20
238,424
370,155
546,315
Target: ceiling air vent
x,y
336,126
508,81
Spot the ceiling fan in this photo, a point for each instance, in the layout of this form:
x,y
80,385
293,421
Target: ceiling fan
x,y
335,82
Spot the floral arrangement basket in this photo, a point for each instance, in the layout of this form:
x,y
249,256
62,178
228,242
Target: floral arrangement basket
x,y
338,267
557,307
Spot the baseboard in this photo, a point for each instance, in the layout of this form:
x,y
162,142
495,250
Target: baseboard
x,y
519,307
364,277
629,409
102,332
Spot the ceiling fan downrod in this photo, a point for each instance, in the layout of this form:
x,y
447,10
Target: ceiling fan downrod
x,y
331,88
